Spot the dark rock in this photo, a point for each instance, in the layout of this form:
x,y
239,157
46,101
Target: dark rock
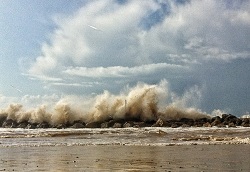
x,y
9,123
111,123
159,123
22,124
238,122
122,121
117,125
43,125
77,125
128,124
203,121
216,118
185,120
150,123
2,119
105,125
216,122
198,124
231,125
185,125
93,125
227,119
60,126
225,122
224,116
179,123
167,124
245,120
139,124
207,124
230,117
174,125
221,125
245,124
31,126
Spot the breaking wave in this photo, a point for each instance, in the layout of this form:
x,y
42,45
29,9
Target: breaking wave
x,y
143,102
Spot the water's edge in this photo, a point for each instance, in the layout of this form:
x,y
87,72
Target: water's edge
x,y
148,136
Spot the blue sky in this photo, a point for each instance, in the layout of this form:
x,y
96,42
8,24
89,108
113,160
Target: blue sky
x,y
53,49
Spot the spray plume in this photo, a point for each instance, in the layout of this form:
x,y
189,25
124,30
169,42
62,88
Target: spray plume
x,y
144,102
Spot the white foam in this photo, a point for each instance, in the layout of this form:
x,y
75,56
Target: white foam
x,y
145,102
155,136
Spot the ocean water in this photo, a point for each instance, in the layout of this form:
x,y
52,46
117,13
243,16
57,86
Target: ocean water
x,y
143,102
151,136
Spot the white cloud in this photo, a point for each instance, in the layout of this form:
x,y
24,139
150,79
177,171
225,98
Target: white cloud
x,y
74,43
42,77
66,84
4,100
189,34
204,29
36,100
120,71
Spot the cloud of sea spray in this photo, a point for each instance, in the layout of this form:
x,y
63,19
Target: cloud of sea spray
x,y
139,102
246,115
71,109
218,112
184,106
17,113
145,102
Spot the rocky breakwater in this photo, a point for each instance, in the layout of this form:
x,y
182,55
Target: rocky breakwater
x,y
226,120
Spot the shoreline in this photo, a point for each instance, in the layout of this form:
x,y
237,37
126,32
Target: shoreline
x,y
149,136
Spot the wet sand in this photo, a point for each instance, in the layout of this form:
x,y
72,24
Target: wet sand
x,y
126,158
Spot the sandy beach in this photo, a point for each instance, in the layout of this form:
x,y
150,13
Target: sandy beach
x,y
126,158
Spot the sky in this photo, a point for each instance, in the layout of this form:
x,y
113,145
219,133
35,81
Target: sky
x,y
54,49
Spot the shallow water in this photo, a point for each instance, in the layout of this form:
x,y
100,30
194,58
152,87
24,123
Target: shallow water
x,y
153,136
126,158
125,149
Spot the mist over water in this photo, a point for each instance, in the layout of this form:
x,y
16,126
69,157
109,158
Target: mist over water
x,y
144,102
